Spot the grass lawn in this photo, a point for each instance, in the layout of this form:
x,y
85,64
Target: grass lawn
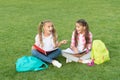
x,y
18,26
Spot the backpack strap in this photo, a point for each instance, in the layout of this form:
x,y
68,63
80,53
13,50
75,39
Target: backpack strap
x,y
44,66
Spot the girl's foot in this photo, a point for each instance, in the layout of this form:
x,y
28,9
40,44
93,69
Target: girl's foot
x,y
56,64
68,60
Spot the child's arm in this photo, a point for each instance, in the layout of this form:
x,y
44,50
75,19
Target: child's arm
x,y
37,42
72,45
89,45
74,49
61,42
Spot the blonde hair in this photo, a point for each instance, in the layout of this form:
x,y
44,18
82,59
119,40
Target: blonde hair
x,y
40,30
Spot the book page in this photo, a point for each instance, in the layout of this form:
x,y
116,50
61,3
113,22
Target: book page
x,y
52,50
68,50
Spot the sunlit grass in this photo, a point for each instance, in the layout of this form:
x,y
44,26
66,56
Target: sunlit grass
x,y
18,27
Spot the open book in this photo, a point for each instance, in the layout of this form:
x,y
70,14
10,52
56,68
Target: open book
x,y
69,51
43,51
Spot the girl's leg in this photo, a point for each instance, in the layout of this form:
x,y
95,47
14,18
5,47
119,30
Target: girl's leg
x,y
85,58
70,57
46,58
41,56
55,53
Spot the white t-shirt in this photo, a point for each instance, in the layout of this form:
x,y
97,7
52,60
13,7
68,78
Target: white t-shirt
x,y
48,43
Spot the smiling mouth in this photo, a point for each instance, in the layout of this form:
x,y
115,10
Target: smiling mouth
x,y
50,31
78,31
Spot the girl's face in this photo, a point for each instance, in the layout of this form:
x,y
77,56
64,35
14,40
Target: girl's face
x,y
48,27
79,28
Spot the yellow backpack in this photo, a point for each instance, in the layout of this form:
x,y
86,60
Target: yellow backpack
x,y
99,52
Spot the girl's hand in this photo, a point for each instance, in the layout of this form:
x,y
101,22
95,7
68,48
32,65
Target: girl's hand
x,y
74,49
63,42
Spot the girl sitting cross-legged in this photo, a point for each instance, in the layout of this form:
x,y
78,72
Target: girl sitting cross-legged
x,y
46,42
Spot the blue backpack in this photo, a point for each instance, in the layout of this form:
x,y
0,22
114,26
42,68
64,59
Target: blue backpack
x,y
30,63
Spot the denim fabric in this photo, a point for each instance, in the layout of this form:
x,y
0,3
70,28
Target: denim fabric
x,y
46,58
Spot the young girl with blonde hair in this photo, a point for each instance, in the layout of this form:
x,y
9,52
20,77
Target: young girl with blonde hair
x,y
46,39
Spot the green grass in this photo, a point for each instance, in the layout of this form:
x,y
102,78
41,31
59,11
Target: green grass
x,y
18,27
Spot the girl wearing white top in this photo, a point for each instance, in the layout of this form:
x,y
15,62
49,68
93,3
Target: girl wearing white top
x,y
46,39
